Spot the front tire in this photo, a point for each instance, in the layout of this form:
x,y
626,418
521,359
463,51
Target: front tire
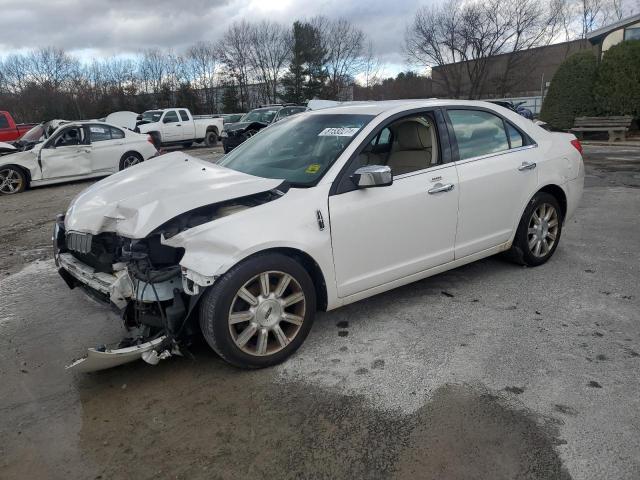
x,y
12,180
259,312
539,230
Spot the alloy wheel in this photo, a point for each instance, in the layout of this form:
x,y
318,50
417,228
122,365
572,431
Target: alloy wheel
x,y
267,313
130,161
543,229
10,181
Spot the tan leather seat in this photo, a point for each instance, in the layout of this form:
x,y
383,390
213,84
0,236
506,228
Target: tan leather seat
x,y
412,151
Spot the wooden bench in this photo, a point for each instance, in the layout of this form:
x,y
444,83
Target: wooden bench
x,y
616,126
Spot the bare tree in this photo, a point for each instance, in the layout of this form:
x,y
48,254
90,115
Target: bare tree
x,y
270,50
462,38
344,44
372,67
202,61
236,56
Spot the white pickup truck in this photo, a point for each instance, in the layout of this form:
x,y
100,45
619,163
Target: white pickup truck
x,y
176,126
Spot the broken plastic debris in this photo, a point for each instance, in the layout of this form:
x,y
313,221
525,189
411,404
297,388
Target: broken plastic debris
x,y
102,359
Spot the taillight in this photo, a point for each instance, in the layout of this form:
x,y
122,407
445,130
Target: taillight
x,y
576,143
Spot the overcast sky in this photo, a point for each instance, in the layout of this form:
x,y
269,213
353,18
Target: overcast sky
x,y
121,27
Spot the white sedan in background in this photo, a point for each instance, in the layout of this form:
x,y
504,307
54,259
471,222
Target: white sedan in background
x,y
75,151
320,210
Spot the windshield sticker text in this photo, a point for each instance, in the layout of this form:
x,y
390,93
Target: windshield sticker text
x,y
338,132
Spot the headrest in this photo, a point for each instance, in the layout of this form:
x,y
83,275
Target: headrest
x,y
413,135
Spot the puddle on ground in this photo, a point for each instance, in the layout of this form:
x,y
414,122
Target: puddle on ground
x,y
230,424
204,419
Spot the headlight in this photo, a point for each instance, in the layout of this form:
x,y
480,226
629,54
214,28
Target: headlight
x,y
224,134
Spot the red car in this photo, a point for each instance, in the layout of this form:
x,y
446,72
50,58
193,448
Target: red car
x,y
9,130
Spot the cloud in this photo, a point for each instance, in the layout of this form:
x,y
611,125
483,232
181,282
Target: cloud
x,y
123,27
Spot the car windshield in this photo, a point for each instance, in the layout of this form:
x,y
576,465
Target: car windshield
x,y
299,149
262,115
152,116
34,135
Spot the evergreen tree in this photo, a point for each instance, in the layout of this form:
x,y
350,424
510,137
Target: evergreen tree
x,y
307,74
571,91
230,100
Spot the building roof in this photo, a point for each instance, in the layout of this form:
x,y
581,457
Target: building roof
x,y
597,35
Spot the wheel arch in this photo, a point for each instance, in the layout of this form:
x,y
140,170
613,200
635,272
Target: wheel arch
x,y
559,194
214,129
129,152
24,170
309,264
553,189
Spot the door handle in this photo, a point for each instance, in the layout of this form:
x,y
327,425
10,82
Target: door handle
x,y
179,125
527,166
439,188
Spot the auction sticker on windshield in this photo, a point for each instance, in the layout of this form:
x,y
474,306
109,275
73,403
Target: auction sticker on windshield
x,y
338,132
313,168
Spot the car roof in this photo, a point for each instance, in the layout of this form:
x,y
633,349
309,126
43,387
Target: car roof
x,y
378,107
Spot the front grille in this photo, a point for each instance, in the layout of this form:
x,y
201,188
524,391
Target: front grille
x,y
79,242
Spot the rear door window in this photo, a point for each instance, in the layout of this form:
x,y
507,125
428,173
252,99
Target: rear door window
x,y
99,133
478,133
4,123
171,117
184,115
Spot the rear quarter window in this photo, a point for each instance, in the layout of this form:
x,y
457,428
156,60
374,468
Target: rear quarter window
x,y
4,122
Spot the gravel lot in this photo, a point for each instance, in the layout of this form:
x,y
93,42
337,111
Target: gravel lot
x,y
488,371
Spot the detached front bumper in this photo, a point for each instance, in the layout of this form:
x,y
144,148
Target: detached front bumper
x,y
113,288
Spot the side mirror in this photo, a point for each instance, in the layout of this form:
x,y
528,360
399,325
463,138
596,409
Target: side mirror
x,y
372,176
166,120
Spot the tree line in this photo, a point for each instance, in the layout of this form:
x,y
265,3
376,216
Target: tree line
x,y
268,62
253,63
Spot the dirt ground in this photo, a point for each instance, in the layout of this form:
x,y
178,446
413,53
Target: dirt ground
x,y
487,371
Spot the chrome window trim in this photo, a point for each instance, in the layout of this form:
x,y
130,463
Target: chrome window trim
x,y
495,154
423,171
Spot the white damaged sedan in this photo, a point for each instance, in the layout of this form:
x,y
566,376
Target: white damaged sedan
x,y
318,211
74,151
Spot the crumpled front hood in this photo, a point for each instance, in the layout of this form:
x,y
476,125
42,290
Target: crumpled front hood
x,y
237,126
134,202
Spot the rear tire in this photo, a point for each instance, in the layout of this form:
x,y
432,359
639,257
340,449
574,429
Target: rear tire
x,y
12,180
267,331
211,138
539,231
130,159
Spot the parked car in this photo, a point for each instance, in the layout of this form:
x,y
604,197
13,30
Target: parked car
x,y
519,108
74,151
254,121
232,117
10,130
176,126
317,211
